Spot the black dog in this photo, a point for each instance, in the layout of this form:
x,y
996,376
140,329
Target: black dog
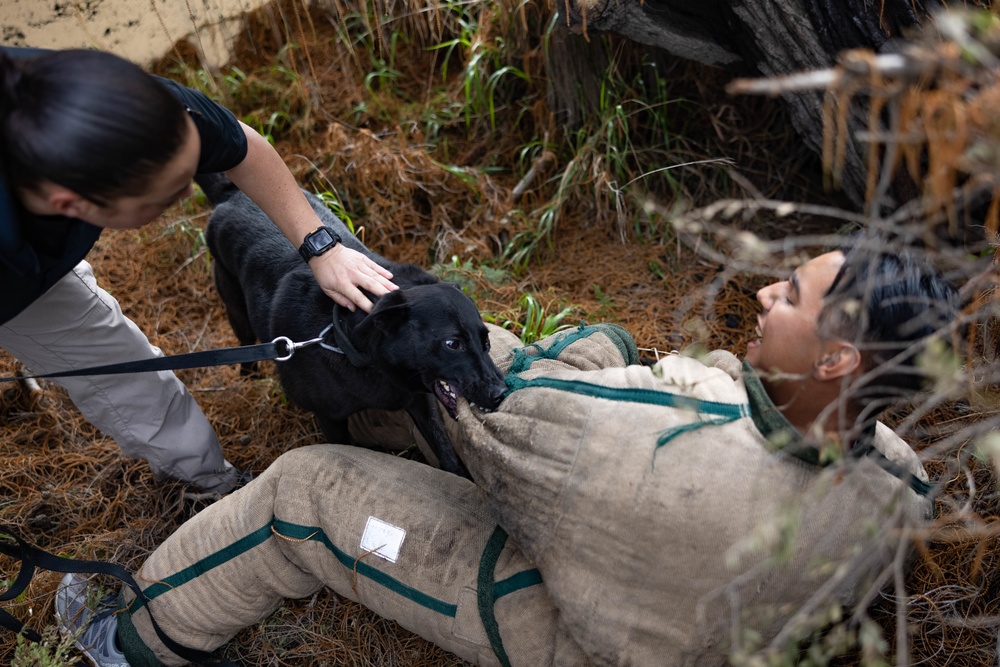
x,y
422,341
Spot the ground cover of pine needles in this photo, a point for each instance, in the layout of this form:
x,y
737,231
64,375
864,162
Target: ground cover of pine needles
x,y
540,171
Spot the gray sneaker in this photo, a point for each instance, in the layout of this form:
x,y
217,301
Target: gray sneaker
x,y
94,629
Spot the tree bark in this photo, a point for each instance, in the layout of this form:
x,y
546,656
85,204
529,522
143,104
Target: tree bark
x,y
767,38
685,29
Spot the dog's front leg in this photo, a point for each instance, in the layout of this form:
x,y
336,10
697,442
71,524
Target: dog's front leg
x,y
427,417
334,430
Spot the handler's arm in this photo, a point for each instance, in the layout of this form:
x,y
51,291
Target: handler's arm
x,y
265,178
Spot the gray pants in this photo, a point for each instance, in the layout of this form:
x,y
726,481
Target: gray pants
x,y
151,416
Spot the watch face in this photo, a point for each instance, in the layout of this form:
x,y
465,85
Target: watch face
x,y
320,239
317,242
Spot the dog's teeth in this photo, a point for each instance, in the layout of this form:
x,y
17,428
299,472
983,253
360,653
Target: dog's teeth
x,y
447,389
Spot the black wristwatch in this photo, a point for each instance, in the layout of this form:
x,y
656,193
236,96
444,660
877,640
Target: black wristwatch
x,y
317,242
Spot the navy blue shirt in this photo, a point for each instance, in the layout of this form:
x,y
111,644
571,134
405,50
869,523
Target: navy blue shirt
x,y
37,251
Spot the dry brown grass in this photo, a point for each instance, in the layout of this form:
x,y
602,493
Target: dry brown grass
x,y
68,488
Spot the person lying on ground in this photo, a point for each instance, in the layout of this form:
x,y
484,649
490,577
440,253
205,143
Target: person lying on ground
x,y
621,514
88,142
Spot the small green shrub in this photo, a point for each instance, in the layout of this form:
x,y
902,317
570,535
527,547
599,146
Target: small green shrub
x,y
54,650
534,324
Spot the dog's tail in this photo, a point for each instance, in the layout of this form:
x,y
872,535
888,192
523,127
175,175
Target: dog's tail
x,y
217,187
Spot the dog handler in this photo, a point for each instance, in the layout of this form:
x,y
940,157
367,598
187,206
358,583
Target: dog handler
x,y
656,516
88,142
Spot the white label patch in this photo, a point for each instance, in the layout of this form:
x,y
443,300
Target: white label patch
x,y
382,539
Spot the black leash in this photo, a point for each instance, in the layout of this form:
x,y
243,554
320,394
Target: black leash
x,y
279,349
32,557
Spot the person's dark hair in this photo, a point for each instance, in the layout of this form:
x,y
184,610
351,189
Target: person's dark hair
x,y
87,120
890,305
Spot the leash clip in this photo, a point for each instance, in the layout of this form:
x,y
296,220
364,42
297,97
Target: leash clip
x,y
292,346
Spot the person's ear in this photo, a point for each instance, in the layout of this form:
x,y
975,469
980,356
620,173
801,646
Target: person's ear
x,y
839,360
64,201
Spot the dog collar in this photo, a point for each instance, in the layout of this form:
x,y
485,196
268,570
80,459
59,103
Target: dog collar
x,y
343,342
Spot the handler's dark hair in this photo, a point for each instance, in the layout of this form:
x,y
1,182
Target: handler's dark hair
x,y
87,120
890,305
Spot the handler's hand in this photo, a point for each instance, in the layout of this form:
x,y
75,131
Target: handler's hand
x,y
342,272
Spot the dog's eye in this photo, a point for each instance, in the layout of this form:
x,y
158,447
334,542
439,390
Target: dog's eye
x,y
453,344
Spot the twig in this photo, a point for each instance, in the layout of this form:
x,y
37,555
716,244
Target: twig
x,y
902,643
31,385
195,497
716,160
856,64
825,591
32,388
541,163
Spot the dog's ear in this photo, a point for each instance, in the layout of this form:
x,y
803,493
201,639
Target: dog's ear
x,y
391,312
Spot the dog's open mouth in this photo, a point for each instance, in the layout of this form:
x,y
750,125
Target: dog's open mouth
x,y
448,397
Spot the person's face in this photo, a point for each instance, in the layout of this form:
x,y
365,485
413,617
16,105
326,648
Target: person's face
x,y
170,186
788,343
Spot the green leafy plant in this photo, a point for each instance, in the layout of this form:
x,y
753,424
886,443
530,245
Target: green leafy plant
x,y
271,99
332,202
53,651
607,308
486,59
534,323
190,225
384,70
468,275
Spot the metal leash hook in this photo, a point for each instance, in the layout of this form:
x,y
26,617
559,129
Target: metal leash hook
x,y
292,346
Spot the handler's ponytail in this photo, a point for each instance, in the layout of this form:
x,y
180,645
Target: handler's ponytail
x,y
87,120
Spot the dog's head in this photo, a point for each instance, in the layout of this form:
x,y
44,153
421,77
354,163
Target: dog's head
x,y
431,338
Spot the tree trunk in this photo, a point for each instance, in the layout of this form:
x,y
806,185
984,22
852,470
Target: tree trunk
x,y
768,38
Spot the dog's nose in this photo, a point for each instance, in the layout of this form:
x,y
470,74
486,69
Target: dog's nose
x,y
497,393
